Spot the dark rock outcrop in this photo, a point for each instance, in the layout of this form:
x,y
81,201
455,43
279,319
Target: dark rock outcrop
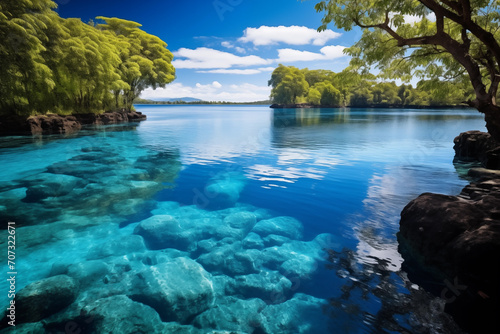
x,y
35,125
457,239
55,124
477,146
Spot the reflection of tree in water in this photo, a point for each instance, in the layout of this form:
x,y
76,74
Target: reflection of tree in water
x,y
299,117
410,311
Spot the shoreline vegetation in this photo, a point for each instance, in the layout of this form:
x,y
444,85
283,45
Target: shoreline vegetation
x,y
304,88
370,106
52,65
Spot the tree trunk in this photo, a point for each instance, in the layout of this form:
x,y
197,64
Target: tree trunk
x,y
492,118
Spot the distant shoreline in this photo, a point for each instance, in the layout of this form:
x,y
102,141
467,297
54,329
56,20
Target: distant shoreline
x,y
180,102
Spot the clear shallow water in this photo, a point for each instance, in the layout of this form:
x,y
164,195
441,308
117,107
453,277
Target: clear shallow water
x,y
90,205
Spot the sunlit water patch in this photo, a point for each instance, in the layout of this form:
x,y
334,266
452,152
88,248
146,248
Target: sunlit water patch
x,y
210,218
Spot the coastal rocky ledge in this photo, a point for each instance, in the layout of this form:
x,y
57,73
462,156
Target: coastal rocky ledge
x,y
456,239
14,125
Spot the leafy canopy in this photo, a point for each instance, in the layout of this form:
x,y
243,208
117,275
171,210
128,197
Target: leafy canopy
x,y
51,64
453,40
349,88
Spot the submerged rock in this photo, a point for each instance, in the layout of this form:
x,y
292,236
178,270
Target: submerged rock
x,y
301,314
164,231
43,298
126,245
119,314
232,314
46,185
241,220
270,286
253,240
160,166
223,190
178,290
88,273
230,260
284,226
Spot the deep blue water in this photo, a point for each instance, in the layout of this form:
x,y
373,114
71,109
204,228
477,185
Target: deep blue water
x,y
344,175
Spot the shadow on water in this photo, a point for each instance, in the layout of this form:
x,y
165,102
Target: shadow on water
x,y
283,118
36,141
407,309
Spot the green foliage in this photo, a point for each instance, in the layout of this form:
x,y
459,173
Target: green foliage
x,y
438,41
288,84
314,96
349,88
50,64
329,95
146,62
25,27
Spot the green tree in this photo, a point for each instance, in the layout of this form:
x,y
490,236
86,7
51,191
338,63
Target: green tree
x,y
314,96
462,42
86,68
288,84
145,59
24,35
330,96
386,93
444,93
51,64
361,95
315,76
348,80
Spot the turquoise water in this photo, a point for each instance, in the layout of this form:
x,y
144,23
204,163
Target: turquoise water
x,y
231,218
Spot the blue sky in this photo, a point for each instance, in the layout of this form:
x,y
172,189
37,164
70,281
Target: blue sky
x,y
227,49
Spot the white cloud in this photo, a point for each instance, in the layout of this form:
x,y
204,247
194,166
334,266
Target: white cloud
x,y
214,91
238,71
239,49
293,35
229,45
266,69
201,58
327,53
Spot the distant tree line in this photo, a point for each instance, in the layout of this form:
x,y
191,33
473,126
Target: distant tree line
x,y
291,85
51,64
